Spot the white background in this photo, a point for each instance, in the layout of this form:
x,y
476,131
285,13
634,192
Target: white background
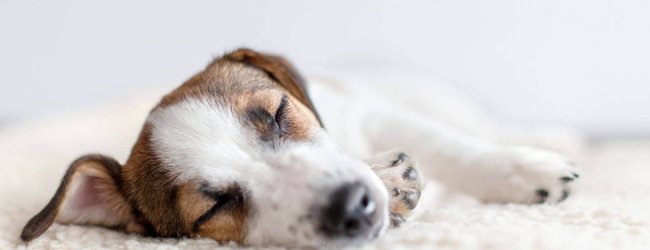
x,y
582,63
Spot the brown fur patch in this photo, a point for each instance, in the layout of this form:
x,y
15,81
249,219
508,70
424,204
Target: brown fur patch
x,y
231,82
280,70
155,203
150,189
241,86
227,225
299,120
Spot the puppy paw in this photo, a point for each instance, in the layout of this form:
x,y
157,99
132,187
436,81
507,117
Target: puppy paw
x,y
529,175
402,180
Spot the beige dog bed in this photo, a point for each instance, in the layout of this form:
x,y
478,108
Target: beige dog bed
x,y
610,209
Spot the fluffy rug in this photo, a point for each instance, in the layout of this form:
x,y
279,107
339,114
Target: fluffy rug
x,y
609,209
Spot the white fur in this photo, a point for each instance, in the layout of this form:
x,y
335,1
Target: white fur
x,y
609,212
361,121
447,133
203,141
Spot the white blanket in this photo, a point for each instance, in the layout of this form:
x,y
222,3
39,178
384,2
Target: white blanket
x,y
610,209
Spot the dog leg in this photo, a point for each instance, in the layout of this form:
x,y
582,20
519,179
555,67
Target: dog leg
x,y
398,172
485,170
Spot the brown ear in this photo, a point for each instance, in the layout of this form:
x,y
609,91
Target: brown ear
x,y
89,194
280,70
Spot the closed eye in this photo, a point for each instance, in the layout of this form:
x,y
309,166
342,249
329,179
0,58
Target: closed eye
x,y
271,126
224,200
281,115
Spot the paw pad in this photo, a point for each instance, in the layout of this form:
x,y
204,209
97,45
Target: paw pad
x,y
402,180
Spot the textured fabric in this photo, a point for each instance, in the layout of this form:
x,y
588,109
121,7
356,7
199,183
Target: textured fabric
x,y
609,209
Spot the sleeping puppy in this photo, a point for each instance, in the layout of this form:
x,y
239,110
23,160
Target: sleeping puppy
x,y
239,153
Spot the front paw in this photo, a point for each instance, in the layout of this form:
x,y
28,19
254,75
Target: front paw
x,y
534,176
402,180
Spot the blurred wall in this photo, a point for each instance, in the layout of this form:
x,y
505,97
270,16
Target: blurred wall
x,y
581,63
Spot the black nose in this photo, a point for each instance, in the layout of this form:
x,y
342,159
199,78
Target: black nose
x,y
350,211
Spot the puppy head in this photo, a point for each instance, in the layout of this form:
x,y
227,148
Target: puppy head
x,y
237,153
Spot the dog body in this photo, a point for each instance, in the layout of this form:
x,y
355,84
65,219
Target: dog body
x,y
451,138
240,153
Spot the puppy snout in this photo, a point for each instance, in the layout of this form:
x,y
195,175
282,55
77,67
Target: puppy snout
x,y
350,212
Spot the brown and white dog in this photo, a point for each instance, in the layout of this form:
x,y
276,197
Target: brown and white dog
x,y
239,153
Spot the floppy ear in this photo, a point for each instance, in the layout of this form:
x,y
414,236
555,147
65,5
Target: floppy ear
x,y
89,194
280,70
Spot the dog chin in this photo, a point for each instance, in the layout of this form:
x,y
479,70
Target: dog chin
x,y
377,231
355,242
